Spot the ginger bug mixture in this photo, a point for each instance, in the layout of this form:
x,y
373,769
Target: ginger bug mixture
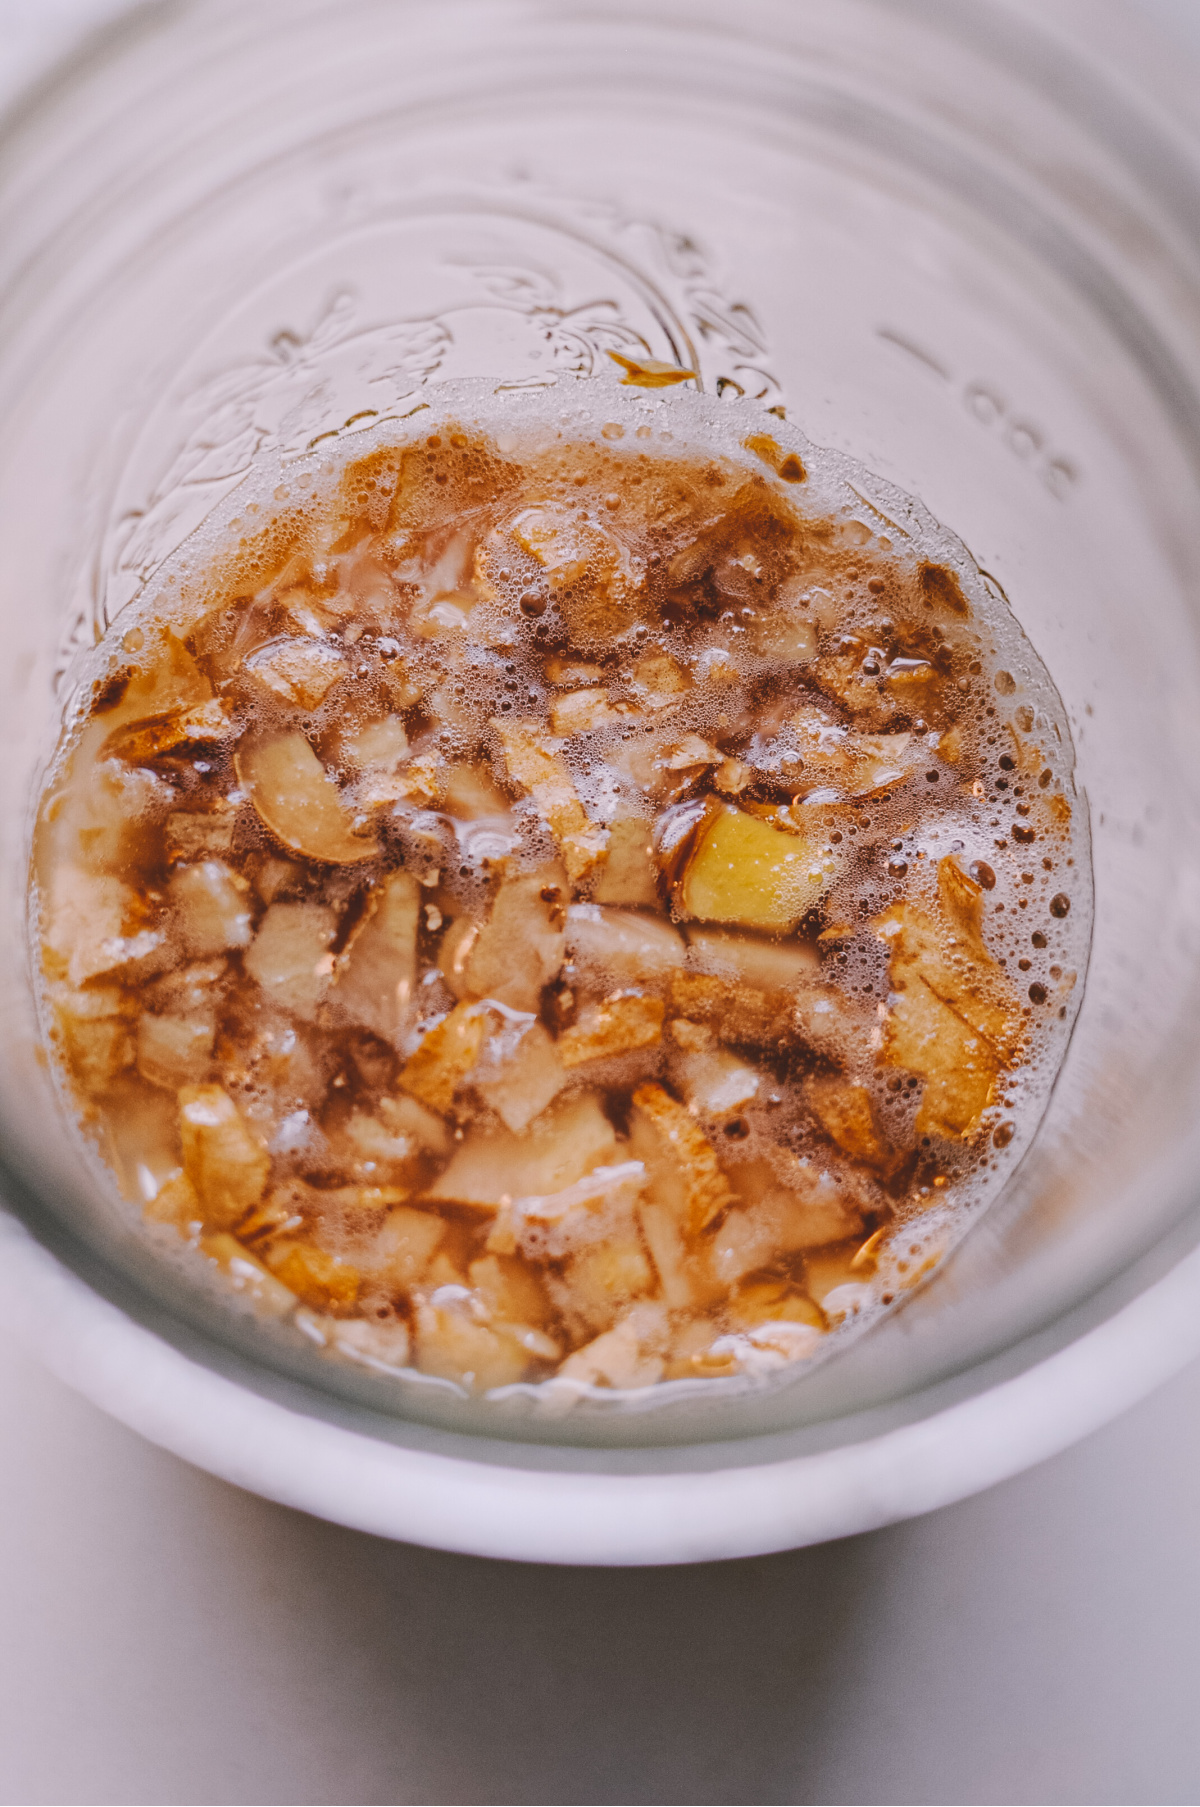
x,y
562,901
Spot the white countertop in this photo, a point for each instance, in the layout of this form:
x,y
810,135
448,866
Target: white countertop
x,y
170,1639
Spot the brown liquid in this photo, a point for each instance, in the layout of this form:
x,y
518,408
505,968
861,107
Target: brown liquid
x,y
565,911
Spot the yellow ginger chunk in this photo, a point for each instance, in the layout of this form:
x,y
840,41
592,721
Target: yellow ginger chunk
x,y
623,1022
300,670
843,1109
953,1019
682,1165
322,1280
298,801
221,1158
745,871
374,978
533,764
446,1054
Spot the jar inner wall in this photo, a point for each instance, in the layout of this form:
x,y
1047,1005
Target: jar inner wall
x,y
869,220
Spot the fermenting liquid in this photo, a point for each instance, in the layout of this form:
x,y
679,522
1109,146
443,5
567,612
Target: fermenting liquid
x,y
564,902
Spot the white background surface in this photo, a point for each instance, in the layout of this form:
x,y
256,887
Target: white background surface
x,y
167,1638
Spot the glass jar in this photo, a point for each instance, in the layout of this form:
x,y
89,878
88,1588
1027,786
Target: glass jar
x,y
943,245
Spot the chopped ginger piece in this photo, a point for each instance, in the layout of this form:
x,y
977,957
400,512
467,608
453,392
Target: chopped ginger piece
x,y
289,956
374,978
175,1050
623,1022
628,1356
322,1280
210,908
96,1033
301,671
93,924
767,1301
714,1081
405,1246
520,947
561,1146
177,1203
454,1342
247,1274
680,1160
510,1289
224,1163
548,1226
580,711
533,765
783,1214
623,947
651,373
659,680
843,1109
384,1346
953,1020
445,1056
519,1072
569,673
629,875
601,1281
